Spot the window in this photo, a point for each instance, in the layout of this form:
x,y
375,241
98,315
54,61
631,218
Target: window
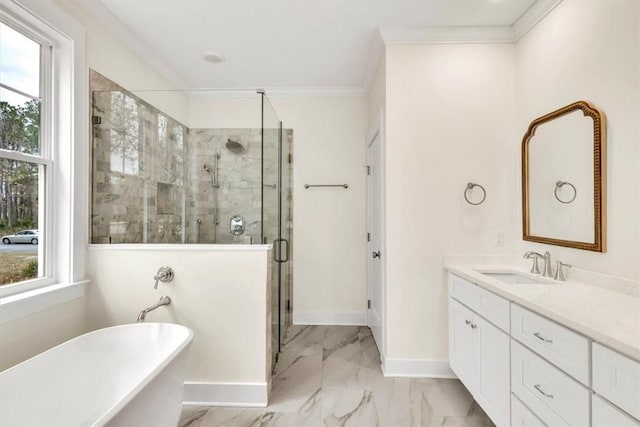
x,y
52,153
26,151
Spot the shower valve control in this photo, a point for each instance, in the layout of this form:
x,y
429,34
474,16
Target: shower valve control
x,y
236,226
165,275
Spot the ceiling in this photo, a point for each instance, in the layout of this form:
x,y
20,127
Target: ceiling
x,y
282,44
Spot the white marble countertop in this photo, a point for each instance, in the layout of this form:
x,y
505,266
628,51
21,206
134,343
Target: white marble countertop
x,y
607,317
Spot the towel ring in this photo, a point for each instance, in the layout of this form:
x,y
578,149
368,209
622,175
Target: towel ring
x,y
560,184
470,186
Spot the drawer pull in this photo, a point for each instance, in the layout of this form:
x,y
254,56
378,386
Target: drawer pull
x,y
537,387
540,337
473,326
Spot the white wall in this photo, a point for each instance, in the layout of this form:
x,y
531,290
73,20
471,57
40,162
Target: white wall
x,y
329,255
25,337
589,50
329,231
115,60
449,121
221,294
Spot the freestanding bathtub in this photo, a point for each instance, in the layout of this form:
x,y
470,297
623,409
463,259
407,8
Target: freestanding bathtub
x,y
127,375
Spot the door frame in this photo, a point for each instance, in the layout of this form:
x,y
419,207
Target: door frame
x,y
377,131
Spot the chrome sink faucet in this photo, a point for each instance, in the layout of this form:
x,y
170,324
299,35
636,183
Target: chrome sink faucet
x,y
535,269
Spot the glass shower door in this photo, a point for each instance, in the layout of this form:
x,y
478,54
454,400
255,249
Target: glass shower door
x,y
286,229
270,133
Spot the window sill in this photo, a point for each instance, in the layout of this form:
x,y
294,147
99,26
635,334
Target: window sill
x,y
26,303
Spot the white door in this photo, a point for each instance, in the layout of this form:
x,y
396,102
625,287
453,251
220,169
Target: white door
x,y
375,312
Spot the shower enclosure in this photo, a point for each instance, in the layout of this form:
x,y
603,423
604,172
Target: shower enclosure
x,y
193,168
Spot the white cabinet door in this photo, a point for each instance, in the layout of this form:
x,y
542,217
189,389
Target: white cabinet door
x,y
603,414
617,378
461,351
521,416
492,353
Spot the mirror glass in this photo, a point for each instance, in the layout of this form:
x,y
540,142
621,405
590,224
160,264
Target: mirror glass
x,y
563,178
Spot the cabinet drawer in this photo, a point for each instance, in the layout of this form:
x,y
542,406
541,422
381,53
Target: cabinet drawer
x,y
617,378
605,415
464,291
493,308
557,399
521,416
564,348
487,304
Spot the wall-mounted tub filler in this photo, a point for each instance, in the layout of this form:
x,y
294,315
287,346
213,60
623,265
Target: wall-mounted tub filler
x,y
163,301
236,225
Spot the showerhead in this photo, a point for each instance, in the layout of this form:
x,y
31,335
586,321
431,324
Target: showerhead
x,y
208,168
234,146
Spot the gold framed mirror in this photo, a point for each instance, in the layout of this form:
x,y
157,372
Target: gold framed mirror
x,y
564,180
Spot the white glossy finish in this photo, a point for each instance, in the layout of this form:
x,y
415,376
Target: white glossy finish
x,y
521,416
608,317
554,397
564,348
479,355
492,353
489,305
514,278
617,378
119,376
603,414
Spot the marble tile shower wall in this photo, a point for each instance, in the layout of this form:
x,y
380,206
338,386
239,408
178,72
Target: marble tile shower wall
x,y
238,191
138,175
150,185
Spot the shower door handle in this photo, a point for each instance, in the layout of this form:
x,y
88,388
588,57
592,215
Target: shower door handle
x,y
277,254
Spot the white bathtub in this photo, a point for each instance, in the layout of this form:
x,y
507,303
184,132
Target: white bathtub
x,y
128,375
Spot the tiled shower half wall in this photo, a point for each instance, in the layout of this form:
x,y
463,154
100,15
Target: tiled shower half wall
x,y
155,180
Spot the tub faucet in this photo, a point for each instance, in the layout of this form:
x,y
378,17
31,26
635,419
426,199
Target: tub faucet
x,y
163,301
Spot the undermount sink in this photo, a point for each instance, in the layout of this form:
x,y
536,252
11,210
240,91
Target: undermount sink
x,y
514,278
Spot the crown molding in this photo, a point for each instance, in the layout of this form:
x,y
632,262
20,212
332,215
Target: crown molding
x,y
532,16
445,35
275,92
470,34
102,15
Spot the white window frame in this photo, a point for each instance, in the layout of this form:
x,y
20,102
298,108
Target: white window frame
x,y
46,186
66,161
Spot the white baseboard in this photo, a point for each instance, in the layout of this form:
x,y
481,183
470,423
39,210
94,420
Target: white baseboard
x,y
355,318
225,394
419,368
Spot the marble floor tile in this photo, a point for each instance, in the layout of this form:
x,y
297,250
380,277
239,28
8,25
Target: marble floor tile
x,y
296,385
348,408
330,376
224,417
446,397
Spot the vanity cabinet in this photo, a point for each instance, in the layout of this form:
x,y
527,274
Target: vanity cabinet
x,y
617,379
556,398
527,370
606,415
479,355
